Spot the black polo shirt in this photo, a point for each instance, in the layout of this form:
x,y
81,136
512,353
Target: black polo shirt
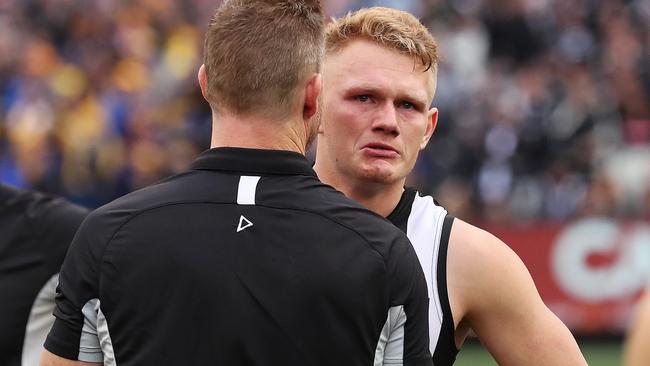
x,y
35,232
247,259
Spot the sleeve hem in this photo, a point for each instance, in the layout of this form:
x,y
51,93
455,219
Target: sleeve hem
x,y
60,349
91,356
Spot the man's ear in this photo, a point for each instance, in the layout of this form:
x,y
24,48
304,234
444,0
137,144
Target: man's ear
x,y
432,122
312,91
202,82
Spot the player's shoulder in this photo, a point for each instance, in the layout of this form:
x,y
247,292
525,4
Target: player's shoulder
x,y
27,203
477,245
479,258
114,214
412,197
10,195
187,187
40,208
374,229
424,201
415,209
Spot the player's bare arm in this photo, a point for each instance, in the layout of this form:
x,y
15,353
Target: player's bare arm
x,y
637,352
50,359
492,292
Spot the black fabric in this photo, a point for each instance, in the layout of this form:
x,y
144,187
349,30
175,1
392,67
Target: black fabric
x,y
446,351
35,232
232,159
400,214
309,283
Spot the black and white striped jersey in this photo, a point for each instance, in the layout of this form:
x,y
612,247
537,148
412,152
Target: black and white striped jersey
x,y
35,232
246,259
428,226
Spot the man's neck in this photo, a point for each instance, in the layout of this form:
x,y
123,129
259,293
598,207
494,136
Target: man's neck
x,y
257,133
381,198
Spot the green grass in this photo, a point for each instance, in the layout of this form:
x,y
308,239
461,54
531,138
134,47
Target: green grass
x,y
597,353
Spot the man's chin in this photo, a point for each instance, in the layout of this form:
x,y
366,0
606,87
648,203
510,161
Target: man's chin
x,y
378,176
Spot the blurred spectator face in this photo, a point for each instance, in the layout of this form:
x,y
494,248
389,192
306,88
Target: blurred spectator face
x,y
376,115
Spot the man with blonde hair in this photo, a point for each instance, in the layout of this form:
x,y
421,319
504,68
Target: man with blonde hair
x,y
246,259
379,81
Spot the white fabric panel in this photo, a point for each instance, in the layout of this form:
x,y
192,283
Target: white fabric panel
x,y
390,347
89,348
95,344
424,229
39,323
105,339
381,343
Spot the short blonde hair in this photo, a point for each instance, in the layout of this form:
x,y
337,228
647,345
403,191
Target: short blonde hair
x,y
391,28
258,51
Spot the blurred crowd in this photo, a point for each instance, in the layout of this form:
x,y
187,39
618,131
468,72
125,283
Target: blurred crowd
x,y
544,104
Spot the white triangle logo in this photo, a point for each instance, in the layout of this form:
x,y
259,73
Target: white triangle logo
x,y
244,223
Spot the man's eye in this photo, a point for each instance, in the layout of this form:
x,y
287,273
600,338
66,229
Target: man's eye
x,y
363,98
407,105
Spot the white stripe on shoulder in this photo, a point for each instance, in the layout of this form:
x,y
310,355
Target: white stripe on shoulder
x,y
246,190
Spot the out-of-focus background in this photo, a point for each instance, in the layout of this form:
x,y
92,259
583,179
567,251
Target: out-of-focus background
x,y
543,138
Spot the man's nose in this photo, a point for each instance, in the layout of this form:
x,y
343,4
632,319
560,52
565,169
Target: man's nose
x,y
385,120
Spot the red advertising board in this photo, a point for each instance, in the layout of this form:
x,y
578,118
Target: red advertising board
x,y
590,272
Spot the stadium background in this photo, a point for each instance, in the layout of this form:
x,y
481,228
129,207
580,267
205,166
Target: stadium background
x,y
544,131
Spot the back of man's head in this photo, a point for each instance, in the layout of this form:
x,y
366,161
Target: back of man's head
x,y
257,52
391,28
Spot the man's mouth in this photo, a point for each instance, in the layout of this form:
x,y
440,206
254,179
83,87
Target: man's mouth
x,y
380,150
